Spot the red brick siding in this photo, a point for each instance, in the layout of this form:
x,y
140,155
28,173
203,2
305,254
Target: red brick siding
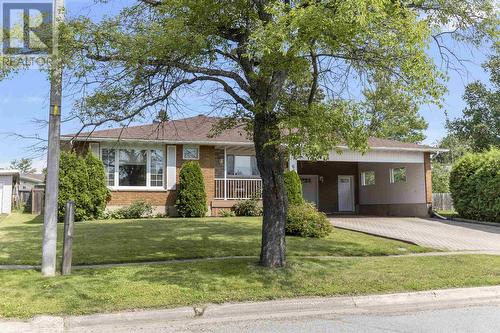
x,y
428,177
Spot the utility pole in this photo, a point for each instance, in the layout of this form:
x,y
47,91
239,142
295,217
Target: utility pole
x,y
49,246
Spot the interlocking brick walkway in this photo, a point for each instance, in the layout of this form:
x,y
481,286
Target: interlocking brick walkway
x,y
445,235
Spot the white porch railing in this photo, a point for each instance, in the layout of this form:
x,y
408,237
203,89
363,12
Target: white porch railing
x,y
238,189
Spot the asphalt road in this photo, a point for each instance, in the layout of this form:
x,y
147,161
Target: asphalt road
x,y
471,319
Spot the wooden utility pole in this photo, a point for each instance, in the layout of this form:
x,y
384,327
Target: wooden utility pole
x,y
69,227
49,246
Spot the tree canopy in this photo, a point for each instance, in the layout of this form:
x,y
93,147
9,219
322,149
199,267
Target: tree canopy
x,y
480,123
301,76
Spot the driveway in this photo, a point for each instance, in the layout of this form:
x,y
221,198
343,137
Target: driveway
x,y
444,235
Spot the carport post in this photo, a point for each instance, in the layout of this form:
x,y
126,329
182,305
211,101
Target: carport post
x,y
69,227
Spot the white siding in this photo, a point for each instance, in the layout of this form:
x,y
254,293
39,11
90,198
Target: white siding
x,y
6,196
385,192
387,156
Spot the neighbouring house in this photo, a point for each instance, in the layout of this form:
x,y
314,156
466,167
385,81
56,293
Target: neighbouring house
x,y
143,162
9,180
30,181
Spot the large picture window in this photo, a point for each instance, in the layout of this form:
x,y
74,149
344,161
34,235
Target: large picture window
x,y
134,167
242,165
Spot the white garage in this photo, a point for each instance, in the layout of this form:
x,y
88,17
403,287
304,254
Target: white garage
x,y
8,180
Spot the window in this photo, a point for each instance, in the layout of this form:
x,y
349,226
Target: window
x,y
133,166
191,153
367,178
398,175
156,170
108,159
242,165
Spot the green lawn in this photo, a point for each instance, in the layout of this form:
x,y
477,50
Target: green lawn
x,y
164,239
27,293
448,213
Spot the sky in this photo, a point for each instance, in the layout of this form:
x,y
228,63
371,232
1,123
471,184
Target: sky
x,y
24,100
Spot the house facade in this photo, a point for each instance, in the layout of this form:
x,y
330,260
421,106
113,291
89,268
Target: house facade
x,y
9,180
143,163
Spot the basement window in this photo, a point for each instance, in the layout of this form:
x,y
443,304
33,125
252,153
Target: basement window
x,y
398,175
367,178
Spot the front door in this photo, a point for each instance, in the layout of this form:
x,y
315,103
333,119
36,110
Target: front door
x,y
310,188
346,193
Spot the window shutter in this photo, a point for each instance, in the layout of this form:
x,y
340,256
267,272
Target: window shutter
x,y
171,167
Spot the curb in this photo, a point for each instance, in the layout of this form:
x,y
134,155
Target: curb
x,y
288,308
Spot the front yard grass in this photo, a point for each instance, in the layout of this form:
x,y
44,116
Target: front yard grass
x,y
119,241
27,293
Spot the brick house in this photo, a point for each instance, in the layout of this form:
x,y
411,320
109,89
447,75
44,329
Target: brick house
x,y
143,163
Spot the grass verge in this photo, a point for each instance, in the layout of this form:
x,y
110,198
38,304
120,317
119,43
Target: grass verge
x,y
27,293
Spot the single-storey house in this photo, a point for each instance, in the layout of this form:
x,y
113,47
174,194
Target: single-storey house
x,y
8,189
143,163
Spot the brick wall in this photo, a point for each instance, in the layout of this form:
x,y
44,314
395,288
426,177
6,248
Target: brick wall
x,y
428,177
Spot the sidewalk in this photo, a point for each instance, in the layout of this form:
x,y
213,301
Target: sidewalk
x,y
181,318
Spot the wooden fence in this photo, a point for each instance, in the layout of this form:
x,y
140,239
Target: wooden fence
x,y
442,201
32,200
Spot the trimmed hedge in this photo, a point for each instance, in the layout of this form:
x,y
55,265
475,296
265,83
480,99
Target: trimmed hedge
x,y
475,186
293,187
191,197
304,220
82,180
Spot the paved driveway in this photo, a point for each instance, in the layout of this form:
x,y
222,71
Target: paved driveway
x,y
445,235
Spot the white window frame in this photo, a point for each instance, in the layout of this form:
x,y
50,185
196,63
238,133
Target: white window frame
x,y
391,172
148,149
363,178
184,147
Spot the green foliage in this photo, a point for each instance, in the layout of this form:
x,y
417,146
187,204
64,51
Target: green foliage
x,y
99,193
293,187
440,178
392,114
457,148
227,213
24,165
191,197
250,207
475,186
74,185
82,180
480,123
138,209
304,220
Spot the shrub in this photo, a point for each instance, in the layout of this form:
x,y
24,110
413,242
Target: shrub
x,y
475,186
99,193
305,221
191,197
293,187
83,181
250,207
227,213
138,209
73,185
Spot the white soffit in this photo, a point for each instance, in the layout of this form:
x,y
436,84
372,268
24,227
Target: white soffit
x,y
387,156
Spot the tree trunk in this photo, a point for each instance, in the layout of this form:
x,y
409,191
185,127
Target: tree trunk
x,y
271,162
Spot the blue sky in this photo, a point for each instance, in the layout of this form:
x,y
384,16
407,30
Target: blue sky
x,y
24,99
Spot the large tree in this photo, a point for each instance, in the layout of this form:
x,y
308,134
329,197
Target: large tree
x,y
480,122
263,63
24,165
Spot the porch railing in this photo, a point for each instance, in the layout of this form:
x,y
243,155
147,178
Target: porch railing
x,y
238,189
